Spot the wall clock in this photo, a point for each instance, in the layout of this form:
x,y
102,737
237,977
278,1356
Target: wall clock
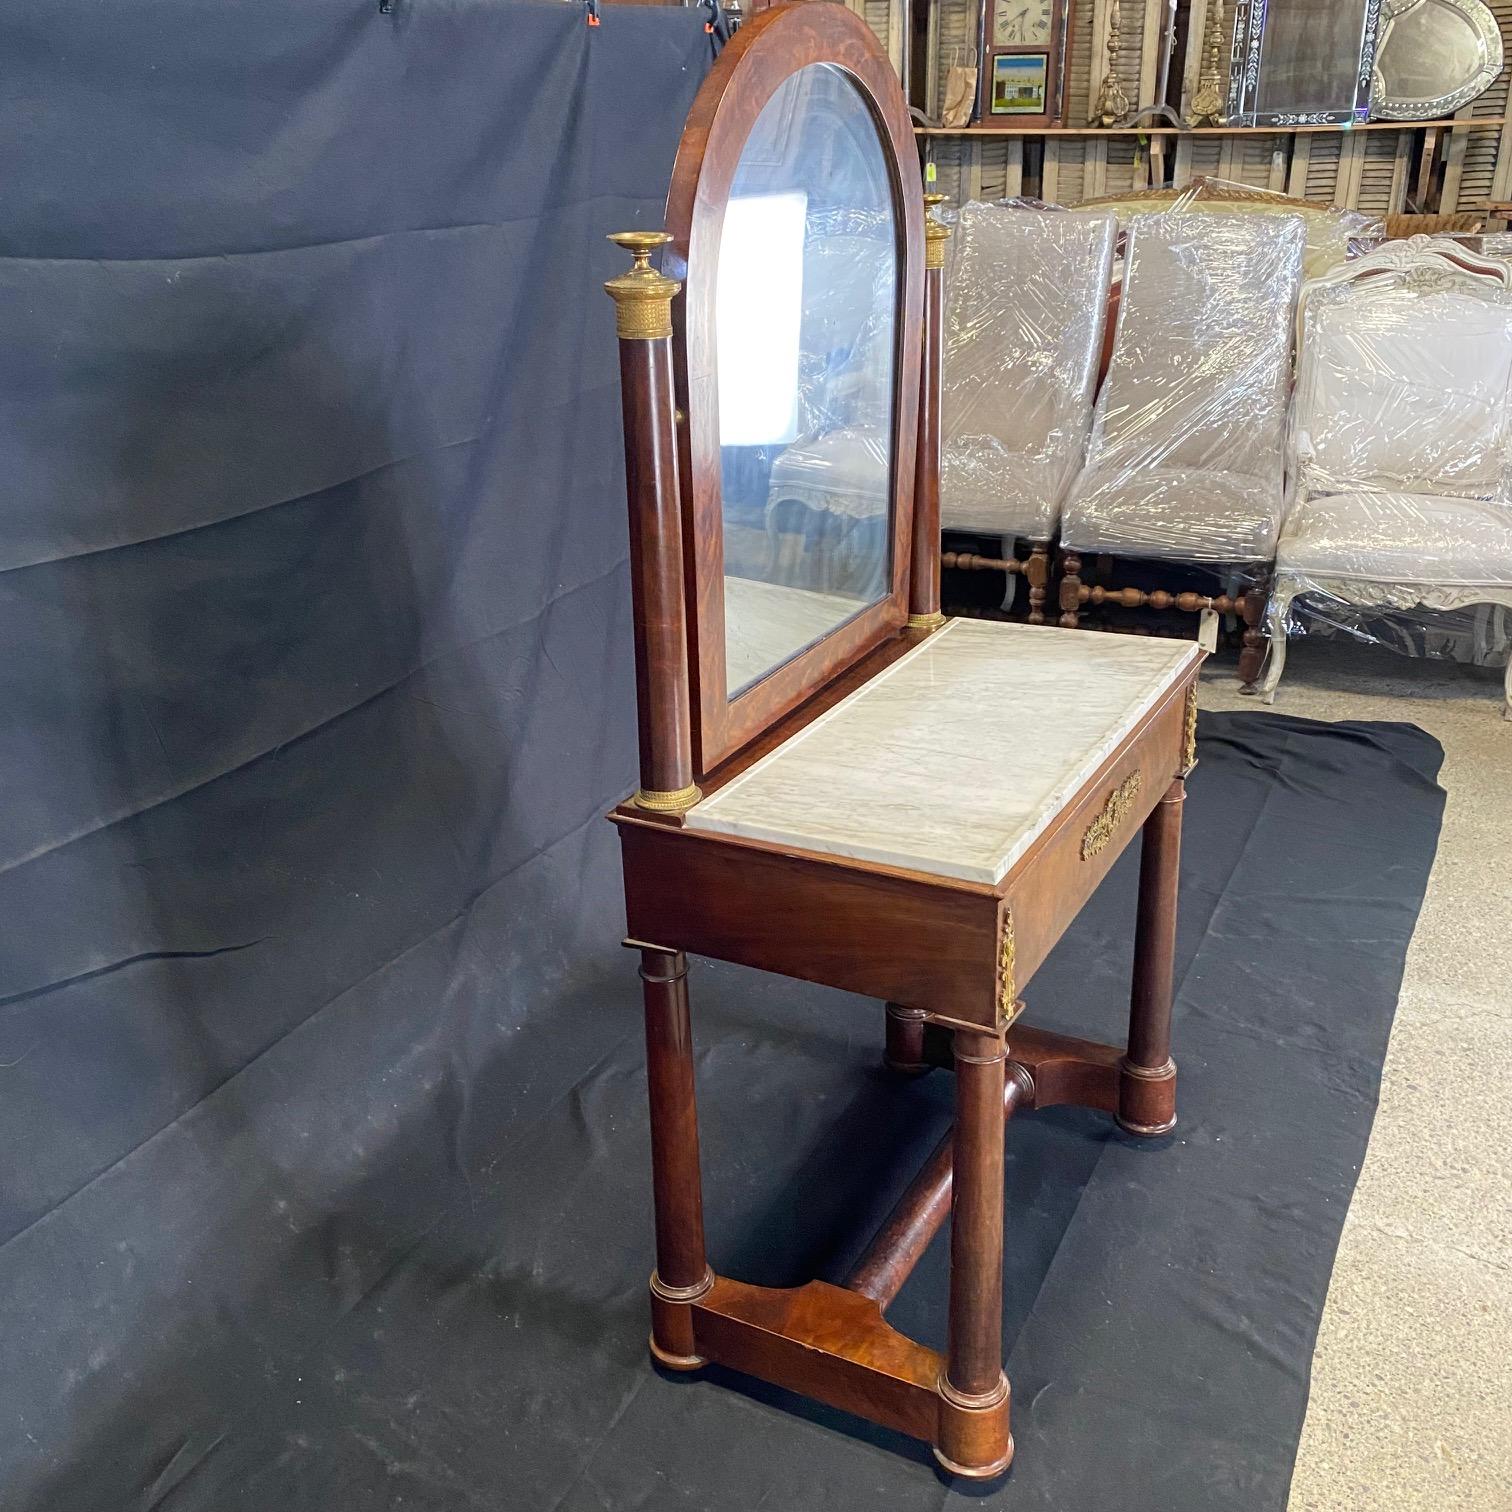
x,y
1434,57
1023,52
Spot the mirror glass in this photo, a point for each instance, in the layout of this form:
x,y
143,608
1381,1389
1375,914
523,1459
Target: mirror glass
x,y
1431,52
806,337
1310,63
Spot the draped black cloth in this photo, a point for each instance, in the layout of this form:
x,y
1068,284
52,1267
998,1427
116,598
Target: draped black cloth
x,y
316,676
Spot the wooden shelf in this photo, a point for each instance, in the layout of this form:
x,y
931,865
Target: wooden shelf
x,y
1463,123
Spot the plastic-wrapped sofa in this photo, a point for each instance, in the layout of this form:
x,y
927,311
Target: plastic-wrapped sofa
x,y
1400,440
1185,462
1333,235
1025,312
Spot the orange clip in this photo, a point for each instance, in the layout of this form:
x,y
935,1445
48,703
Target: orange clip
x,y
592,19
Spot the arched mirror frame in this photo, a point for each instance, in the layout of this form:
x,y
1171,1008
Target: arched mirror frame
x,y
763,55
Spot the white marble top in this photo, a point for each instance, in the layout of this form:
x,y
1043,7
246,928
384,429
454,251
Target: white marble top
x,y
958,756
767,624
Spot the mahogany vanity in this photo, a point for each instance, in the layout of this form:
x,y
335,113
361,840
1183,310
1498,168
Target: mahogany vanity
x,y
838,784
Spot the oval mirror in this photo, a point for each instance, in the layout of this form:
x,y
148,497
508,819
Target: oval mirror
x,y
805,335
1435,56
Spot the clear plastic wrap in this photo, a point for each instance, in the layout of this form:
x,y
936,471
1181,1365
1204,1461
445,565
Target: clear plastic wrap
x,y
1333,235
1025,312
1399,457
1186,456
826,494
840,459
1435,624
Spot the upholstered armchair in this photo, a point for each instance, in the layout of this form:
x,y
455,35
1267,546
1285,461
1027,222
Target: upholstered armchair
x,y
1399,440
1024,319
1185,463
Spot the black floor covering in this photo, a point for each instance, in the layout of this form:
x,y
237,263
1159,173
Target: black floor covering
x,y
1162,1297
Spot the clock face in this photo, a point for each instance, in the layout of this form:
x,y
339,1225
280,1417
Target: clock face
x,y
1022,22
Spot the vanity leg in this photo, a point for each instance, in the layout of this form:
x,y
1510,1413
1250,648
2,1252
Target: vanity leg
x,y
905,1040
1147,1074
682,1270
974,1438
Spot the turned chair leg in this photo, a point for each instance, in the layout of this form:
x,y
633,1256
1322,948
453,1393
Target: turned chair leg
x,y
905,1040
682,1269
1037,572
1070,589
974,1438
1252,657
1147,1074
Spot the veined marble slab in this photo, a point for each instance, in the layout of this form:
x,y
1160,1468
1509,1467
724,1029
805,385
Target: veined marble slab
x,y
958,756
767,624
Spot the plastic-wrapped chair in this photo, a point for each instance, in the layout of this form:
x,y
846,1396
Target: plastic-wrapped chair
x,y
1186,457
1400,440
1024,321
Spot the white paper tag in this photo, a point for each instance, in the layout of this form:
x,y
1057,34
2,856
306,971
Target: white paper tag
x,y
1207,631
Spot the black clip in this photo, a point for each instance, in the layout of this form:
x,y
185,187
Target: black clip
x,y
717,25
385,7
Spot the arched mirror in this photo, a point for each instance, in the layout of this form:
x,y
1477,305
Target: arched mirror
x,y
806,325
797,364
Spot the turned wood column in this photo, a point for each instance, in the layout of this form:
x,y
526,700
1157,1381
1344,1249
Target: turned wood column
x,y
1037,574
924,566
1147,1074
1070,589
898,1246
682,1268
1252,611
905,1040
643,311
974,1438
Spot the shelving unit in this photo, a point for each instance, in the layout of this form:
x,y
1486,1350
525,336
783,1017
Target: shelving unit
x,y
1381,167
1457,124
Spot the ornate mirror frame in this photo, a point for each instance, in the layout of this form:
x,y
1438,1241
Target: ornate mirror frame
x,y
1475,19
1253,48
762,56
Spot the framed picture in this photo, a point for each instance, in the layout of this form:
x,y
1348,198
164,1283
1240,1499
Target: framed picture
x,y
1018,84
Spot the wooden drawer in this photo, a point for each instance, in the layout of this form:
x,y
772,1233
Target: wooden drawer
x,y
1049,885
928,942
923,941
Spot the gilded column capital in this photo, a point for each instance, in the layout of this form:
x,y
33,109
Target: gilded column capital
x,y
936,232
642,296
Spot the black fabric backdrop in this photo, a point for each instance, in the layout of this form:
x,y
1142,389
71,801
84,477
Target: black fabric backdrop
x,y
316,673
324,1178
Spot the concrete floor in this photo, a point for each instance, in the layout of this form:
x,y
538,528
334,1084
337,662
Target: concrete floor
x,y
1411,1404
